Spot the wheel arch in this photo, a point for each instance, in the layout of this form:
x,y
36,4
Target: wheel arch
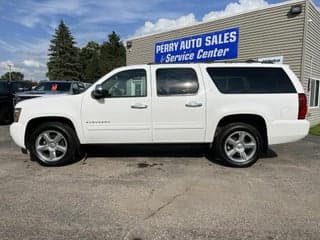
x,y
33,123
255,120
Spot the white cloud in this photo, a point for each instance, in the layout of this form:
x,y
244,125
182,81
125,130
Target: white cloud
x,y
30,72
28,57
164,24
235,8
4,65
32,13
32,63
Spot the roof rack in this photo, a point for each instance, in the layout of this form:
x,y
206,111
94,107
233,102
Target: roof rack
x,y
250,61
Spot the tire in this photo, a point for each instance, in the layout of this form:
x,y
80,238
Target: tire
x,y
238,144
53,144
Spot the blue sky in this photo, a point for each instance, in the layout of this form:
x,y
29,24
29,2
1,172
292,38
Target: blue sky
x,y
26,26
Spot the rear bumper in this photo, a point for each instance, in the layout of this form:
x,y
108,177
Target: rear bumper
x,y
17,132
287,131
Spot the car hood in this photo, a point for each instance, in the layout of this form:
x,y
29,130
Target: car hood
x,y
50,103
68,106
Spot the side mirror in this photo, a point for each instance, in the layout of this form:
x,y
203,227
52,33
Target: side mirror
x,y
98,92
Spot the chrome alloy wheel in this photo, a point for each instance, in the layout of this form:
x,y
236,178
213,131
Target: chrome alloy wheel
x,y
51,146
240,146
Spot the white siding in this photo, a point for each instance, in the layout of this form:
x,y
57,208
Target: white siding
x,y
312,55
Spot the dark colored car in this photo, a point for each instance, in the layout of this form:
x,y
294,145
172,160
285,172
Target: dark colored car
x,y
49,88
7,91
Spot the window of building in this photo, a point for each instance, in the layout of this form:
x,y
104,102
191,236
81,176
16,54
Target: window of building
x,y
251,80
314,93
176,81
129,83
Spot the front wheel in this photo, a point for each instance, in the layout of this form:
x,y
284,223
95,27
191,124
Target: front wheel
x,y
53,144
238,144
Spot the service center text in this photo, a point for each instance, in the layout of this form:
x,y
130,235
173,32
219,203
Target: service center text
x,y
207,47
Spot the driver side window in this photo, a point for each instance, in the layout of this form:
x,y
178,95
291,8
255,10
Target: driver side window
x,y
129,83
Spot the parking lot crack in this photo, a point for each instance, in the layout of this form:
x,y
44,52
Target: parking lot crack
x,y
166,204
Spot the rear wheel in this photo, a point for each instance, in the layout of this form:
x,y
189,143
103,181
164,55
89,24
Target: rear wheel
x,y
238,144
53,144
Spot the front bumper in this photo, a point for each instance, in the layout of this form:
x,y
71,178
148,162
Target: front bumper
x,y
17,133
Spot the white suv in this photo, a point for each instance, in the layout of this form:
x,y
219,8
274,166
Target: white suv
x,y
239,109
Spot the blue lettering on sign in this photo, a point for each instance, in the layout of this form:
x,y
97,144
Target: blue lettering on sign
x,y
212,46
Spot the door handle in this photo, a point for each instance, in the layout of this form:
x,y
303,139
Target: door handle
x,y
193,104
139,106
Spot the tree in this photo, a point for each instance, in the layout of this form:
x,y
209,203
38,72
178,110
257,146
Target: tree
x,y
63,55
113,54
90,62
14,76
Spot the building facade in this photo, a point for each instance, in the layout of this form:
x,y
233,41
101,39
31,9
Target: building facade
x,y
288,32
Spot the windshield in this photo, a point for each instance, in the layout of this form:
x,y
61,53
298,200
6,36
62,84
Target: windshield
x,y
53,86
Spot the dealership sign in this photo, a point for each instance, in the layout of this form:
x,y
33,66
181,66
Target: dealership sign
x,y
212,46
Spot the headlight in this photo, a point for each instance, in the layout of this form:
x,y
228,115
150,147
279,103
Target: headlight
x,y
16,115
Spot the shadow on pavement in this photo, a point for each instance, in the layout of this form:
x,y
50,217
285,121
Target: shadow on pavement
x,y
172,150
160,150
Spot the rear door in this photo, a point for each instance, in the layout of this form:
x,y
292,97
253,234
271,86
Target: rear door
x,y
178,104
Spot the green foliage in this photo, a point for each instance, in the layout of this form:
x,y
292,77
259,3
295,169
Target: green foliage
x,y
315,130
87,64
89,59
18,76
113,54
63,61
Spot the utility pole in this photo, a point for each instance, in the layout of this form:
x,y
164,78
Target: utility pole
x,y
10,70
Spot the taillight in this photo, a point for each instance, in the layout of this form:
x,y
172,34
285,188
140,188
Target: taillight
x,y
303,107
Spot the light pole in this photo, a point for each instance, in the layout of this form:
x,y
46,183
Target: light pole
x,y
10,65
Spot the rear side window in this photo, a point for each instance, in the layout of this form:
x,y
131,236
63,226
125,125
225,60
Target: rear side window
x,y
251,80
4,88
176,81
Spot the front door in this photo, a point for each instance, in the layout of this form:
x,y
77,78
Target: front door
x,y
124,115
178,105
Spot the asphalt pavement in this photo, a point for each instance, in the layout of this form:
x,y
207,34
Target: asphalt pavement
x,y
161,194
